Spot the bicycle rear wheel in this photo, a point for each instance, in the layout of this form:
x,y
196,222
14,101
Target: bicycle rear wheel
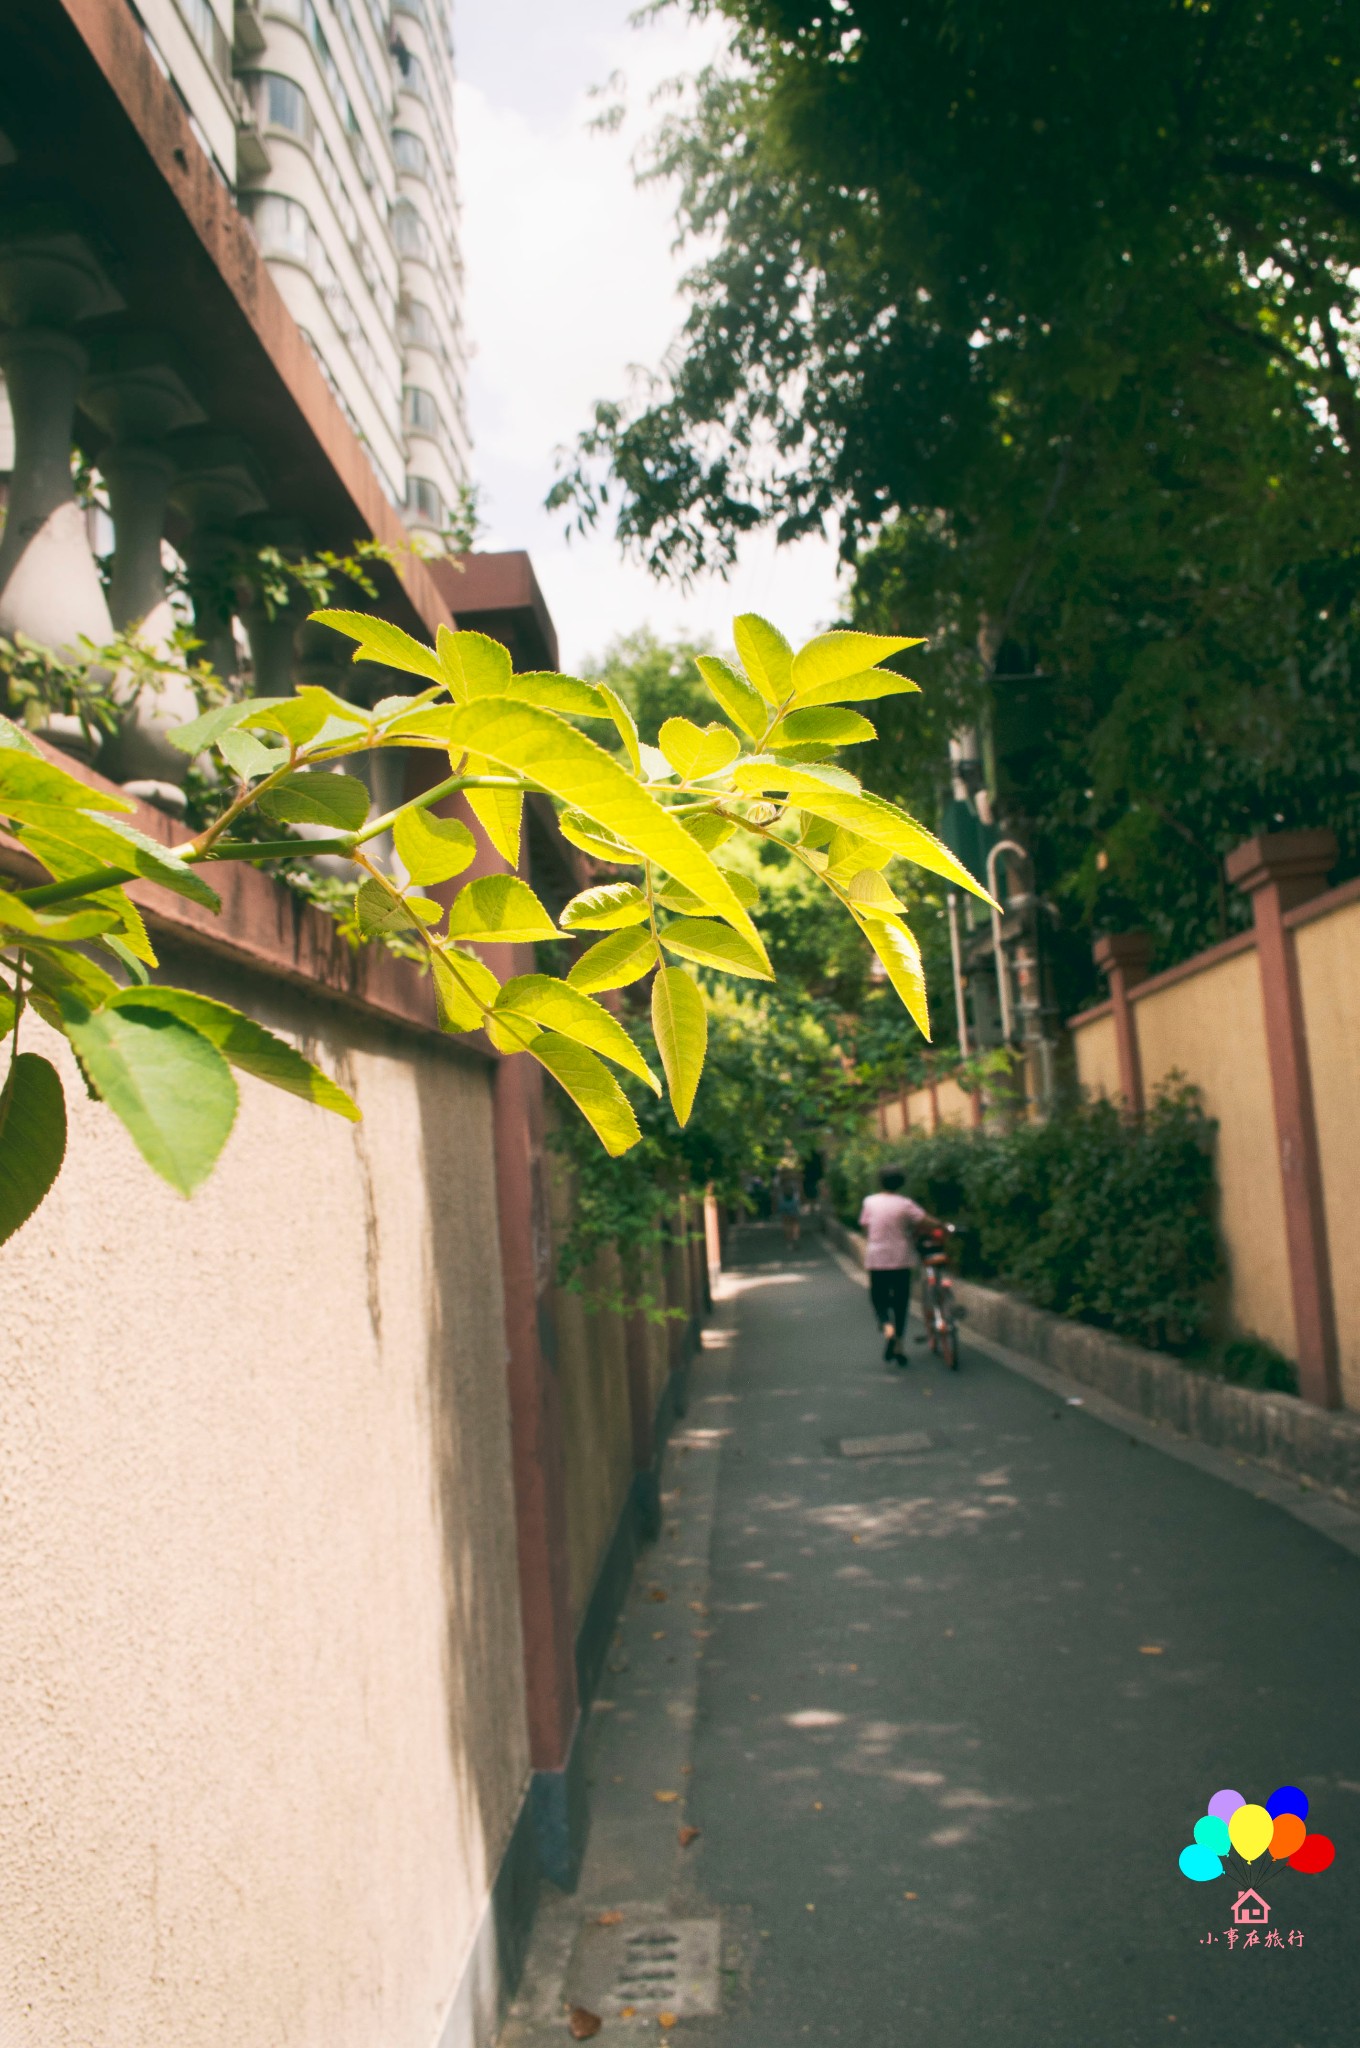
x,y
949,1343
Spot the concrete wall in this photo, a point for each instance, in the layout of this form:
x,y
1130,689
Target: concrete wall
x,y
260,1661
1097,1057
1187,1028
1328,953
592,1370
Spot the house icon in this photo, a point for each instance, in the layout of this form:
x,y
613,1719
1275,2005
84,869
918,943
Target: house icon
x,y
1250,1910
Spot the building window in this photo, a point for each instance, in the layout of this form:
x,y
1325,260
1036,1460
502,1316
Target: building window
x,y
279,103
419,328
409,231
410,153
424,501
420,412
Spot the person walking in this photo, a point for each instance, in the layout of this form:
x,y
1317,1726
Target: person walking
x,y
789,1202
890,1221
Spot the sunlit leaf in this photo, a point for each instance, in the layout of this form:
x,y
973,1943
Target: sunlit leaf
x,y
828,726
765,655
873,682
593,839
743,705
500,908
591,1086
63,925
708,828
430,848
625,724
710,944
565,694
472,664
680,1027
605,908
249,757
499,812
208,728
459,980
32,1138
831,657
554,1006
171,1089
615,961
113,843
244,1044
383,643
901,955
298,718
27,779
872,896
695,750
378,912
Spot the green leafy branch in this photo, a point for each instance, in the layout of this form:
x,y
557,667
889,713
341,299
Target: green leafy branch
x,y
161,1058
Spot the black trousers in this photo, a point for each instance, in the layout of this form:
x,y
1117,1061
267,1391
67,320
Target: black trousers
x,y
890,1291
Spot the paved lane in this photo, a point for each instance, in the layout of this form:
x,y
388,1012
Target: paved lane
x,y
1002,1671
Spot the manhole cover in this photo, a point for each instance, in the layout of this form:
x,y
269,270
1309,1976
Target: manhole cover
x,y
884,1446
648,1962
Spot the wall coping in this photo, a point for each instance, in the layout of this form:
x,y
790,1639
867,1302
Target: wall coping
x,y
1322,906
263,926
1091,1016
1198,963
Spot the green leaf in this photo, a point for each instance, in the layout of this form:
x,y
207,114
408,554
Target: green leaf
x,y
591,1086
832,658
74,920
377,911
27,779
823,792
499,908
59,975
765,655
711,944
615,961
847,855
874,682
554,1006
315,796
473,664
696,750
113,843
432,849
12,735
743,705
171,1088
208,728
569,764
872,896
901,955
298,718
499,812
244,1044
625,724
32,1138
605,908
827,726
383,643
459,978
680,1027
709,829
565,694
248,757
594,839
6,1008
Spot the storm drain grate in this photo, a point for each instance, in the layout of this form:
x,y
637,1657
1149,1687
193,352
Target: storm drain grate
x,y
884,1446
649,1963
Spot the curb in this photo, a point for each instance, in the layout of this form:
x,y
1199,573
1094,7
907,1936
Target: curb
x,y
1314,1445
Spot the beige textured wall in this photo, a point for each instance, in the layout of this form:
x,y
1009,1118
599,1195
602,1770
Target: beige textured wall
x,y
1098,1058
1211,1028
260,1667
1329,978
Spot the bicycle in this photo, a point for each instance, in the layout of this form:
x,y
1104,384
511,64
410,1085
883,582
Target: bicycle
x,y
939,1310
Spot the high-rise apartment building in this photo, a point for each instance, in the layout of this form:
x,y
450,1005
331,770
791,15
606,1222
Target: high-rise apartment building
x,y
331,122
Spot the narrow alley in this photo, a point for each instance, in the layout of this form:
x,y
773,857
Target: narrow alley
x,y
916,1702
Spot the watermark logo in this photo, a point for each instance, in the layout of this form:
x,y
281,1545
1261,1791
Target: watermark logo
x,y
1234,1835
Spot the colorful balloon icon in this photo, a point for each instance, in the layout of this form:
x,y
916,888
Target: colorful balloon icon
x,y
1318,1853
1288,1799
1225,1804
1212,1833
1199,1863
1250,1830
1288,1836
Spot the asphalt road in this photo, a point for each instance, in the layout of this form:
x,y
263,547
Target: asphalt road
x,y
953,1711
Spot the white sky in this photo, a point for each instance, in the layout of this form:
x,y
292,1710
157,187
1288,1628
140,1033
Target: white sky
x,y
571,280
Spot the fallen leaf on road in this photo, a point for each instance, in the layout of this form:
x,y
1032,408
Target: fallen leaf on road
x,y
701,1635
658,1635
1151,1650
657,1593
666,2019
685,1770
909,1895
698,1607
583,2025
627,2012
610,1919
688,1834
816,1806
665,1798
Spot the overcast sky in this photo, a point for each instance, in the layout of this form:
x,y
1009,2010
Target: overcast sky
x,y
572,279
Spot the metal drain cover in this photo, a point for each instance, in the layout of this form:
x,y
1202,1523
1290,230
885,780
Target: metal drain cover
x,y
884,1446
649,1962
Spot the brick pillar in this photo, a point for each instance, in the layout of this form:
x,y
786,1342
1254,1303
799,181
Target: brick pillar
x,y
1123,959
1279,870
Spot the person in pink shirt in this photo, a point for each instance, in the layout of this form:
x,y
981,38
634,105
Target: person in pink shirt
x,y
890,1221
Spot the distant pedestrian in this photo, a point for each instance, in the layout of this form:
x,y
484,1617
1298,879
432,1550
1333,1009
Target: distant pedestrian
x,y
890,1221
789,1204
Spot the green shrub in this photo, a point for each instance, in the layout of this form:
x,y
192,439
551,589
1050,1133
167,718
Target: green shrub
x,y
1086,1214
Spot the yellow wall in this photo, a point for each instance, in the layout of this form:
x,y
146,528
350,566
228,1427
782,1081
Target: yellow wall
x,y
1329,978
956,1106
1210,1028
1098,1058
596,1426
261,1684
